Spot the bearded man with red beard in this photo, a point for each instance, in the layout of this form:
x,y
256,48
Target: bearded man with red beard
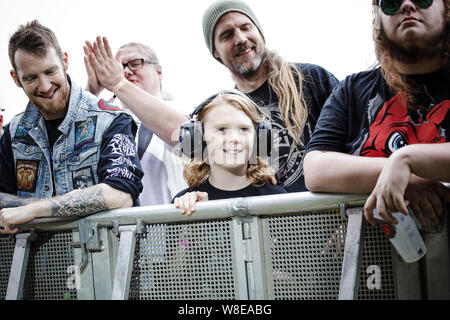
x,y
69,148
387,130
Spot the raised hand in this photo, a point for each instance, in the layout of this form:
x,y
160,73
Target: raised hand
x,y
108,69
93,85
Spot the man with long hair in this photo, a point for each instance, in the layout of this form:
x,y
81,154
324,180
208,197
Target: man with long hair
x,y
291,95
396,111
73,151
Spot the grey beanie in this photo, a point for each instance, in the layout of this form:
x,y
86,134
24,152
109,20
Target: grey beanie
x,y
216,10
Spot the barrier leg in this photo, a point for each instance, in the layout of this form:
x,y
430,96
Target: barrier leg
x,y
18,267
353,245
124,263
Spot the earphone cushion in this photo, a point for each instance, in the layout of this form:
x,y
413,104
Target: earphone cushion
x,y
264,139
191,139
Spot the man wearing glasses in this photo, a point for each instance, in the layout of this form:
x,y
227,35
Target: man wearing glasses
x,y
394,116
142,72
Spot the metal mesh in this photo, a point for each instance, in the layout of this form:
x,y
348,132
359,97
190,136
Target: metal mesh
x,y
306,255
50,256
184,261
6,257
377,251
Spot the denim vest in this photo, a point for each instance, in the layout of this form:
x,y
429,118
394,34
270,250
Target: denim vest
x,y
75,154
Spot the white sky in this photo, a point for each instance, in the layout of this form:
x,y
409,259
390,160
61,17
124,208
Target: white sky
x,y
334,34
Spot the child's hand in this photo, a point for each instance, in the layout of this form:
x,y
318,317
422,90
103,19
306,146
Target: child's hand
x,y
186,203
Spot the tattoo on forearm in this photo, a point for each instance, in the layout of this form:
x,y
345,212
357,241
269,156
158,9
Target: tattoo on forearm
x,y
11,201
80,204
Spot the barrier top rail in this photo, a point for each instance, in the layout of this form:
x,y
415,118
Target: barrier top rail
x,y
270,205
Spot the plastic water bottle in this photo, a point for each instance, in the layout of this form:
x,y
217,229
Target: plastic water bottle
x,y
404,236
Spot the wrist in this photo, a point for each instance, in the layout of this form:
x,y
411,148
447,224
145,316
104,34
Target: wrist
x,y
39,209
402,155
119,85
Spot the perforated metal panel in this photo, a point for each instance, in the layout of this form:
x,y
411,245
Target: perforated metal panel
x,y
6,257
306,253
184,261
46,275
377,251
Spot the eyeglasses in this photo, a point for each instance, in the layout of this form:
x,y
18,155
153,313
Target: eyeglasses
x,y
137,64
391,7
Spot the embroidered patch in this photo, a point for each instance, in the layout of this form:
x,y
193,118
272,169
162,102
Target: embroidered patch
x,y
85,132
22,132
102,104
26,175
83,178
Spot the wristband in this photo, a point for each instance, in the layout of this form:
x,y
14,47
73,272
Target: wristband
x,y
119,85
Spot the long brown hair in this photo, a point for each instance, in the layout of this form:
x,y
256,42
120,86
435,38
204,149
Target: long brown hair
x,y
198,171
287,82
389,66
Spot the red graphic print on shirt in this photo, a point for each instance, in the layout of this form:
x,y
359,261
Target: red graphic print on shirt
x,y
393,128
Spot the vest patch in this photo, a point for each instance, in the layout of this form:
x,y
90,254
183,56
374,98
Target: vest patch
x,y
26,175
85,132
83,178
102,104
22,132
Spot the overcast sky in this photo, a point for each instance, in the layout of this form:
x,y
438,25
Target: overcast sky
x,y
334,34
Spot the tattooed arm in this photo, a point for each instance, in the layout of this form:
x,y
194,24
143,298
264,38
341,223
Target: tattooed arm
x,y
10,201
78,203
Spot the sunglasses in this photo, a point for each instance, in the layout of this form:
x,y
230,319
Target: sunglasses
x,y
391,7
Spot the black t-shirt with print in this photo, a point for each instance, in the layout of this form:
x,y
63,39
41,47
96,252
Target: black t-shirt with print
x,y
318,84
218,194
362,116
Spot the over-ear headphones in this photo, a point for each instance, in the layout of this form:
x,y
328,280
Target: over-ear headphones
x,y
192,140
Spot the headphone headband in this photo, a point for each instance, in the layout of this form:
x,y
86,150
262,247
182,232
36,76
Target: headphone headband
x,y
200,107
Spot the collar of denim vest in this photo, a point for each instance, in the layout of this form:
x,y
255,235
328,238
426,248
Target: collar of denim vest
x,y
76,94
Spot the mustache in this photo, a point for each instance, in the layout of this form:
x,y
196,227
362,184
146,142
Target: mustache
x,y
242,47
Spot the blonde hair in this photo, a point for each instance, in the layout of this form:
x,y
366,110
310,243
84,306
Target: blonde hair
x,y
287,82
197,171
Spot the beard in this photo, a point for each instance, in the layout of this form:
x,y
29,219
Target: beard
x,y
429,48
53,108
248,67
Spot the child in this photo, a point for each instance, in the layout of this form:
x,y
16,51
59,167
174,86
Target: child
x,y
229,122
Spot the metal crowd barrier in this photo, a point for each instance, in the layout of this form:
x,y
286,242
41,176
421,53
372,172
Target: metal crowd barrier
x,y
279,247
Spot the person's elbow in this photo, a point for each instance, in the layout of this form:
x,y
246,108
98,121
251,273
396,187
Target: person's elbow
x,y
116,198
312,171
127,201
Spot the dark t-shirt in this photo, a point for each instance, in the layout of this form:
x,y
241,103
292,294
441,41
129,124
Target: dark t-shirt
x,y
218,194
123,124
317,86
362,117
